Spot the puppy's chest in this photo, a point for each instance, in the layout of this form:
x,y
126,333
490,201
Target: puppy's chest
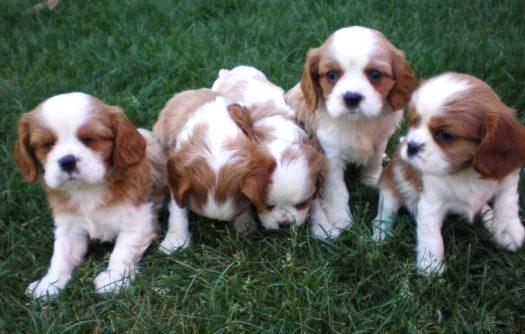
x,y
352,144
464,194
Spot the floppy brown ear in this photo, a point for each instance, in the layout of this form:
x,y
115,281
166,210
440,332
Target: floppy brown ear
x,y
310,80
129,147
502,148
255,184
241,116
405,78
178,182
24,156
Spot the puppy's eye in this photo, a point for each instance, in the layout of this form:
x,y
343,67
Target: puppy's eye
x,y
270,207
374,75
48,145
331,75
87,140
444,136
302,205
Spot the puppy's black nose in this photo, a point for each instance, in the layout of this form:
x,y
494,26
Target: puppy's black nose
x,y
352,99
284,225
413,148
68,163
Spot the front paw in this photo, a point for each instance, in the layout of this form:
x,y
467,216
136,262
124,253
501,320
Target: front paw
x,y
46,287
321,231
370,180
111,281
510,237
381,229
173,242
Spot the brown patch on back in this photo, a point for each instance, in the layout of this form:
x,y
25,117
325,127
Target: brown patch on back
x,y
178,111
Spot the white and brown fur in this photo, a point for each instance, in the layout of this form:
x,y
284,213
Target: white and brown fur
x,y
300,166
214,169
351,97
463,149
104,180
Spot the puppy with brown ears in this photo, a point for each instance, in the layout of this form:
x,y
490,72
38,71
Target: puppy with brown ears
x,y
351,97
214,169
104,180
463,149
300,167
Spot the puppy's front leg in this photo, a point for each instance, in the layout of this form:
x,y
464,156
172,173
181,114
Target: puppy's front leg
x,y
372,171
129,247
71,243
178,235
430,248
506,227
335,202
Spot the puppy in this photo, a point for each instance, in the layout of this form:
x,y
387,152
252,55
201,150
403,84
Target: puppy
x,y
464,148
299,166
213,167
351,97
103,179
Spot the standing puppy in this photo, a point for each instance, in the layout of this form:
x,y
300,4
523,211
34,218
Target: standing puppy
x,y
351,97
299,165
103,179
213,168
464,148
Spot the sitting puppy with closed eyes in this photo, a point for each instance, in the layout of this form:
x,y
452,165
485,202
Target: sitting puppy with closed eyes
x,y
351,98
104,179
464,148
300,167
214,169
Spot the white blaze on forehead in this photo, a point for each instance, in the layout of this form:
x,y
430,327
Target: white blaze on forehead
x,y
435,92
290,181
66,112
352,46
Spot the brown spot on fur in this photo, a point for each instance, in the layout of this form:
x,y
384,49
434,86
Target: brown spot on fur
x,y
410,175
485,132
309,81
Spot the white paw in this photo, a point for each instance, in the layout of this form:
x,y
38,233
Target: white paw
x,y
511,237
325,231
382,229
173,242
111,281
46,287
429,266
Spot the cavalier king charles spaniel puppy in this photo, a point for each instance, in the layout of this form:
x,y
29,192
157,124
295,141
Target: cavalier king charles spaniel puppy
x,y
214,169
463,149
300,167
351,97
104,179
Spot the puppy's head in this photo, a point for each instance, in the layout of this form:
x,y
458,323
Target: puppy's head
x,y
218,172
75,140
357,73
299,173
457,121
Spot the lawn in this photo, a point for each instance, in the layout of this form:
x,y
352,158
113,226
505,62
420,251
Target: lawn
x,y
136,54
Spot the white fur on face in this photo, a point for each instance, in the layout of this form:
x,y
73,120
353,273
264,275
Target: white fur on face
x,y
428,101
289,186
352,47
64,115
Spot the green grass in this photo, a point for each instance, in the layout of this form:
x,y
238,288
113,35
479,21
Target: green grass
x,y
137,54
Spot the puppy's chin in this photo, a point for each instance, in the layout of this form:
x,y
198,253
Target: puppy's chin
x,y
68,182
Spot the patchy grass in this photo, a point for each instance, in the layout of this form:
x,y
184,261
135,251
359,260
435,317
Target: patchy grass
x,y
137,54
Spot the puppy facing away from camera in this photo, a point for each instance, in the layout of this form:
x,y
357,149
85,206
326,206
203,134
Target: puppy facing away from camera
x,y
300,167
463,149
104,180
351,97
214,169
